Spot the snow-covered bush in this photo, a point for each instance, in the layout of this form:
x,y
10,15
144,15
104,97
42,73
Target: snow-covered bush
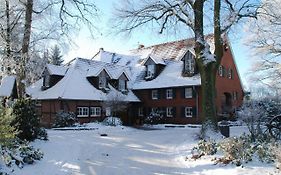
x,y
154,118
65,119
112,121
277,152
236,150
26,121
253,114
204,148
19,154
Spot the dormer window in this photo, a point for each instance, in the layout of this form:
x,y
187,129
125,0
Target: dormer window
x,y
188,64
150,71
46,81
122,85
102,82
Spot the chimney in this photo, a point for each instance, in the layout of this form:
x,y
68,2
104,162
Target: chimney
x,y
141,46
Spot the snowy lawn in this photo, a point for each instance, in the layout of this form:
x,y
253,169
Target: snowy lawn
x,y
129,151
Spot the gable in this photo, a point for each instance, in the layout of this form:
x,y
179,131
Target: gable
x,y
149,61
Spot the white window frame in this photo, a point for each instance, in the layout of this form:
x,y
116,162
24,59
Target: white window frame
x,y
102,81
189,65
169,94
47,80
154,94
229,75
95,111
188,94
150,70
122,85
169,112
140,111
188,112
220,71
82,111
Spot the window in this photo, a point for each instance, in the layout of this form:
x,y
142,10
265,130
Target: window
x,y
235,95
140,111
189,65
122,85
154,94
220,70
169,93
108,111
47,80
169,111
82,112
188,111
230,73
95,111
102,81
150,70
188,92
38,103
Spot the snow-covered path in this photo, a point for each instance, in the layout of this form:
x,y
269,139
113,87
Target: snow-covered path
x,y
124,151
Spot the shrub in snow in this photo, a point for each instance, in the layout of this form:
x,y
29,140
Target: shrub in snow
x,y
26,121
204,148
253,114
154,118
277,153
239,150
236,150
112,121
65,119
19,153
7,132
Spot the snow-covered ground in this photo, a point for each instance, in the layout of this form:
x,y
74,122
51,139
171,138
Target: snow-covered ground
x,y
129,151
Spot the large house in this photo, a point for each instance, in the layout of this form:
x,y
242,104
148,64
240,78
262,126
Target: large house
x,y
161,79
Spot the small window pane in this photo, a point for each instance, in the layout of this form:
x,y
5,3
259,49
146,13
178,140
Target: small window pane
x,y
154,94
188,92
169,93
188,111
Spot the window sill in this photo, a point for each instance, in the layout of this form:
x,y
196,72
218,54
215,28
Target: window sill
x,y
82,116
170,116
188,116
95,115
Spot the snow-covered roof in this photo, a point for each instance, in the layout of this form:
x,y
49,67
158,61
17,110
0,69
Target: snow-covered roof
x,y
74,85
171,76
7,85
56,70
156,59
169,54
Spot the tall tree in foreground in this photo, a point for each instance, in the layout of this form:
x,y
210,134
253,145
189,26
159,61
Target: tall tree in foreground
x,y
191,15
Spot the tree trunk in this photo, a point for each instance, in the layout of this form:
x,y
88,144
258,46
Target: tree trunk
x,y
25,46
8,31
208,87
207,71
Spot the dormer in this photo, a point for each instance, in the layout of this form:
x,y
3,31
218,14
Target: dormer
x,y
103,78
52,74
119,81
153,66
189,65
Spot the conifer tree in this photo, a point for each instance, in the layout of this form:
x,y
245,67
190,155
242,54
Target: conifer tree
x,y
56,57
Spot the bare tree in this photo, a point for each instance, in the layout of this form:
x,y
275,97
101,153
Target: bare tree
x,y
115,103
265,40
67,14
191,15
